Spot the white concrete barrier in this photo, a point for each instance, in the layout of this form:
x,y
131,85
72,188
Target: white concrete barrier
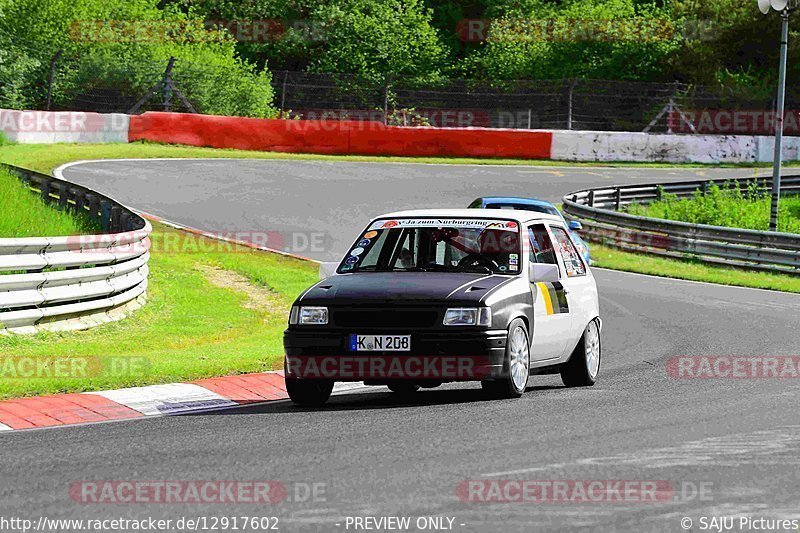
x,y
47,127
610,146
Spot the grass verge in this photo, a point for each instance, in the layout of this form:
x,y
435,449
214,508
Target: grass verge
x,y
605,257
24,214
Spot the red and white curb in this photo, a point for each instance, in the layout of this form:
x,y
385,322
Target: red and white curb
x,y
141,402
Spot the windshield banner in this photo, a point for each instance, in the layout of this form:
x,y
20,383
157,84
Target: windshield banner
x,y
467,223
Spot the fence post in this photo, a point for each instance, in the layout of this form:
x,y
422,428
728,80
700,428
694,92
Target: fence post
x,y
569,102
283,91
51,78
168,83
386,99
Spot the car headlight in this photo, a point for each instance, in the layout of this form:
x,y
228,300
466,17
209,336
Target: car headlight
x,y
308,315
468,316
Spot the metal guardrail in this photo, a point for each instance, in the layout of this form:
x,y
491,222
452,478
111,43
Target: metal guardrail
x,y
53,281
599,211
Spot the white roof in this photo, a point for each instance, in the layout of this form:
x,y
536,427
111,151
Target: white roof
x,y
518,215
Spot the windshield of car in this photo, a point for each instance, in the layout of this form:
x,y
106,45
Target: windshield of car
x,y
436,245
525,207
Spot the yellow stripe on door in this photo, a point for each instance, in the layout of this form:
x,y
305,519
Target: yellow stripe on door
x,y
548,303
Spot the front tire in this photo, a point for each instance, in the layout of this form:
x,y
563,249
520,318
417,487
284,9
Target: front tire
x,y
516,365
309,392
584,364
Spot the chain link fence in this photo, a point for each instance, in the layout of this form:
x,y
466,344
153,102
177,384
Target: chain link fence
x,y
571,104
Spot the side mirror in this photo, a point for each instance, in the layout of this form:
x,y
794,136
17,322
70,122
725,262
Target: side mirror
x,y
574,225
327,269
543,272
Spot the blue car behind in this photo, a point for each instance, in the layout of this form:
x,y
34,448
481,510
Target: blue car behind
x,y
540,206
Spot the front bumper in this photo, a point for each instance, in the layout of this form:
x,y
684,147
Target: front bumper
x,y
438,356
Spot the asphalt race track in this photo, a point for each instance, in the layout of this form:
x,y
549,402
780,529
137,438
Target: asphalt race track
x,y
295,199
726,446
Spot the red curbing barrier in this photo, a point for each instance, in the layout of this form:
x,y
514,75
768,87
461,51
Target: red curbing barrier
x,y
337,137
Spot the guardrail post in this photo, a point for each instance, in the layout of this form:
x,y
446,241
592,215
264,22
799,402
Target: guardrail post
x,y
105,215
591,198
46,190
63,195
94,205
659,194
115,214
617,198
80,201
704,188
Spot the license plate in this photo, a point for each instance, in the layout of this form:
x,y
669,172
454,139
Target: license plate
x,y
380,343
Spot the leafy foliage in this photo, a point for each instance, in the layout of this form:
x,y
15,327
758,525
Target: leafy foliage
x,y
125,47
376,39
226,48
610,39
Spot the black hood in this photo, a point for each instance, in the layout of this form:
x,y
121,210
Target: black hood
x,y
411,287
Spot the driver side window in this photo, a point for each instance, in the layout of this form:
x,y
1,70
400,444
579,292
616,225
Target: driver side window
x,y
541,247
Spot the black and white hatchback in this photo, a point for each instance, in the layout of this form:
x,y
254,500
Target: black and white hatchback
x,y
431,296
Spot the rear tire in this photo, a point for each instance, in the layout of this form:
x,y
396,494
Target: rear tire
x,y
584,364
516,365
309,392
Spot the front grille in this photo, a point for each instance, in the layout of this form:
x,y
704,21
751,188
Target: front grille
x,y
385,317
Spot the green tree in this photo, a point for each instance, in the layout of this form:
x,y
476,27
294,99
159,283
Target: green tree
x,y
732,44
539,39
120,50
378,38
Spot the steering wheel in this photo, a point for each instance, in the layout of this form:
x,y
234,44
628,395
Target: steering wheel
x,y
471,260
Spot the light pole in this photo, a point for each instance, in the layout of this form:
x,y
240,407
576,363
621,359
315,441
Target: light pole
x,y
781,6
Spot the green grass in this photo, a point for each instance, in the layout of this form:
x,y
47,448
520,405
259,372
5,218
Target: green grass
x,y
605,257
50,156
25,214
189,328
723,206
